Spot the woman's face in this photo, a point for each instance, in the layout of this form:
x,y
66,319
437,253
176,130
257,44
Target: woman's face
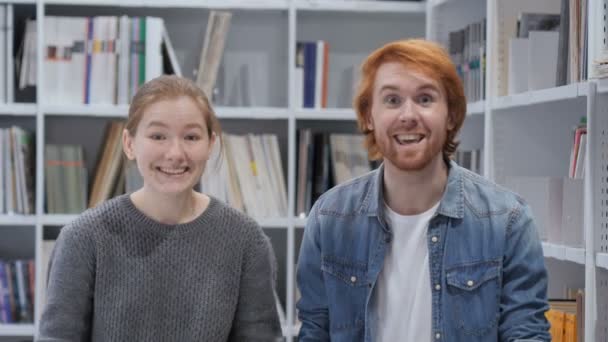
x,y
171,145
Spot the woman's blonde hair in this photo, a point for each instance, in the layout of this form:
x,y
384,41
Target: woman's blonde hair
x,y
170,87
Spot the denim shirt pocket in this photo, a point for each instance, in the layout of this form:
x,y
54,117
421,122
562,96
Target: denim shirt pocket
x,y
346,287
473,296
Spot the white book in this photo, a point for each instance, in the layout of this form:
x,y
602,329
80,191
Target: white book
x,y
542,59
32,69
63,64
154,55
171,52
123,46
579,169
3,46
111,59
235,197
19,169
77,66
267,190
24,64
519,51
50,60
243,166
273,142
97,67
319,74
214,180
3,188
8,175
10,63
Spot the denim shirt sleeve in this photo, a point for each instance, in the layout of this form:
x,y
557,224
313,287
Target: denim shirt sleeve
x,y
312,306
524,297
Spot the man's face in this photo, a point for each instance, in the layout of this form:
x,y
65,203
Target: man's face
x,y
409,117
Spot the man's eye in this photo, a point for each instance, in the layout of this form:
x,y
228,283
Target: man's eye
x,y
425,99
392,100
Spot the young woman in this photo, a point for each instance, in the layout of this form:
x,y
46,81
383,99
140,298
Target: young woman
x,y
164,263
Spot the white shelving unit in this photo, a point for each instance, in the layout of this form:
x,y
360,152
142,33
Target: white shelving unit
x,y
25,110
523,134
17,330
527,135
17,220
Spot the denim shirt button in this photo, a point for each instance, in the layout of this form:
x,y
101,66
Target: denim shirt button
x,y
434,239
437,287
353,279
437,336
470,283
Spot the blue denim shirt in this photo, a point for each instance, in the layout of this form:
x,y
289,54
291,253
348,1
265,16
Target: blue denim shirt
x,y
487,271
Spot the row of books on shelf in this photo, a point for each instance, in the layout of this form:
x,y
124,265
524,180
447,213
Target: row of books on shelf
x,y
469,159
96,60
311,74
467,48
325,160
66,180
577,154
549,49
557,204
248,175
16,171
567,317
17,279
6,32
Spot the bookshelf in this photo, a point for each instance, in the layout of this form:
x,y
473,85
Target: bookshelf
x,y
524,134
523,137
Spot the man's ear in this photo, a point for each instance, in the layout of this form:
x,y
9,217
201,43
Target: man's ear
x,y
127,144
370,122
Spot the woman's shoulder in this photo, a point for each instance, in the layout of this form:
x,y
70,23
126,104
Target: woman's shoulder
x,y
235,219
98,217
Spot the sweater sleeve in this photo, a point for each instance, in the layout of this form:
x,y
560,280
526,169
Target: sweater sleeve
x,y
68,311
256,318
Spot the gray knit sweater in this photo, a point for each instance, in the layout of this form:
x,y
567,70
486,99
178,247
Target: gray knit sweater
x,y
117,275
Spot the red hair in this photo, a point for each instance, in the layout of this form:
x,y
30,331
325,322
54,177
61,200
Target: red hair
x,y
422,56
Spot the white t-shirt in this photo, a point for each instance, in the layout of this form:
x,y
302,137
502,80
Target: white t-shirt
x,y
402,295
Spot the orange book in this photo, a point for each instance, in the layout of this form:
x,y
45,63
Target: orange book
x,y
570,329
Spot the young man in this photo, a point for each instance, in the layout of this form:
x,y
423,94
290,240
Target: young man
x,y
419,249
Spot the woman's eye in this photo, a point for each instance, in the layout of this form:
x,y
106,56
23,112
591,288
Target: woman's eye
x,y
392,100
193,137
157,137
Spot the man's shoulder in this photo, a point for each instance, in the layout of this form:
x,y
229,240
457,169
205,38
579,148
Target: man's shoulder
x,y
348,198
485,197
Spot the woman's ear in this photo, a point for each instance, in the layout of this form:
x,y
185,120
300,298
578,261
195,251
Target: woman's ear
x,y
127,144
451,124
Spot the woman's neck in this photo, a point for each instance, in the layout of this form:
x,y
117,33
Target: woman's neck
x,y
169,209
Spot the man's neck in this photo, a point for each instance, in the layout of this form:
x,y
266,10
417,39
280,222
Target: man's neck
x,y
414,192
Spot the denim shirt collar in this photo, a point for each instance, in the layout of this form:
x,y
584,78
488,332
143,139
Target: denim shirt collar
x,y
451,204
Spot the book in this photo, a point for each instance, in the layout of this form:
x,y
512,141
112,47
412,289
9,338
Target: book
x,y
213,49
